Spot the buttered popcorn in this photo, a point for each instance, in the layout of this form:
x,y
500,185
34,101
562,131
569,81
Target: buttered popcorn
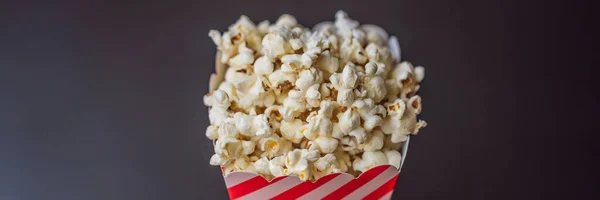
x,y
289,100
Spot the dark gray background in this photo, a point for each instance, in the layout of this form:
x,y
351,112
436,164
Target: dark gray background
x,y
103,99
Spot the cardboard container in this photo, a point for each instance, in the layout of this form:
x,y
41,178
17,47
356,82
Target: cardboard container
x,y
376,183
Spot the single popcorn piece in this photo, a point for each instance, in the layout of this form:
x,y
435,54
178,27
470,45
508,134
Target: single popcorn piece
x,y
228,147
324,166
220,105
212,132
261,126
290,130
373,83
299,162
274,146
263,66
375,34
348,121
239,164
287,100
313,96
371,114
277,166
344,83
327,63
244,57
394,158
262,166
374,142
248,147
402,119
216,159
369,160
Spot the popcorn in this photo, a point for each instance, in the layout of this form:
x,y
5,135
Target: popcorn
x,y
374,142
345,97
247,147
348,121
274,146
292,108
276,166
347,79
263,27
388,144
244,57
375,34
406,80
263,66
287,100
308,78
371,114
228,147
351,50
419,73
359,134
319,123
337,132
325,144
217,159
286,20
212,132
262,166
280,79
343,161
344,83
239,164
261,126
343,23
228,130
296,43
274,44
394,158
243,123
324,166
369,160
290,130
402,119
374,85
310,55
299,162
350,145
395,48
291,63
313,96
327,63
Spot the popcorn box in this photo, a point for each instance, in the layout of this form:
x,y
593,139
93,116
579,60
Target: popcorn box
x,y
376,183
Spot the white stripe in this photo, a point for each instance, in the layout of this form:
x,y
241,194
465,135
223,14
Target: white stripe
x,y
237,178
404,152
387,196
328,187
373,184
273,189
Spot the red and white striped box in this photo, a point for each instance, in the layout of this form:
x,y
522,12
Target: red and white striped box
x,y
376,183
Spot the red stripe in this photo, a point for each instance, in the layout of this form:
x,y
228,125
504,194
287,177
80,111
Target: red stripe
x,y
363,179
249,186
277,179
304,188
383,190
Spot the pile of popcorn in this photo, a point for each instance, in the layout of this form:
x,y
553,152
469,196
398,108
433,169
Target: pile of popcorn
x,y
288,100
